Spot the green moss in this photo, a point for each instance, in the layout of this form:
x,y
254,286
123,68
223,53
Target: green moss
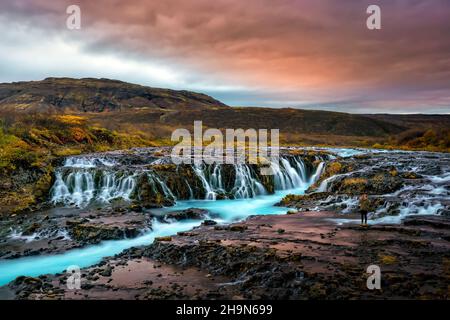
x,y
44,183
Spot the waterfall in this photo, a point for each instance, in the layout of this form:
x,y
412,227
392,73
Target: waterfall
x,y
83,180
318,173
113,187
81,186
291,173
155,180
211,188
76,188
246,185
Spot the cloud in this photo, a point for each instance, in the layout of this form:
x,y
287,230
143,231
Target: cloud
x,y
285,53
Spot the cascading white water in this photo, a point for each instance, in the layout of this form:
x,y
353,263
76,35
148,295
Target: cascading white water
x,y
210,191
216,178
317,174
76,188
279,177
83,162
291,173
116,187
83,180
287,175
428,195
79,187
156,180
246,185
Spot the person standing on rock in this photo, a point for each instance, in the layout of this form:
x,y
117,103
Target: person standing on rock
x,y
364,206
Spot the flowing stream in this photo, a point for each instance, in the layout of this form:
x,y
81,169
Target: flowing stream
x,y
82,181
85,181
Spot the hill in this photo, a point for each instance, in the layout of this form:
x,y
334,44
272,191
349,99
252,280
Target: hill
x,y
96,95
153,113
289,120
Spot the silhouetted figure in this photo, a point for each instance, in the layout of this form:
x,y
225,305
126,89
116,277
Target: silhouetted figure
x,y
364,206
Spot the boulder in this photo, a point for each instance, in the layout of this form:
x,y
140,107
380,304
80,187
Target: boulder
x,y
374,183
87,232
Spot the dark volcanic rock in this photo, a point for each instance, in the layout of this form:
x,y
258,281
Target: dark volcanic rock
x,y
191,213
94,227
311,258
61,229
93,233
209,223
329,263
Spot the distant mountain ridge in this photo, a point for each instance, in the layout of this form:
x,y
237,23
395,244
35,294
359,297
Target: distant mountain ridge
x,y
97,95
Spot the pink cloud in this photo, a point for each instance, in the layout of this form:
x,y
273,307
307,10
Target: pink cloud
x,y
320,48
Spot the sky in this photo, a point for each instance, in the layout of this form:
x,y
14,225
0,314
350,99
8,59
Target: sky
x,y
310,54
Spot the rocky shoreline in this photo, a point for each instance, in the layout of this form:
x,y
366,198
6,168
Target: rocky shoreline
x,y
308,255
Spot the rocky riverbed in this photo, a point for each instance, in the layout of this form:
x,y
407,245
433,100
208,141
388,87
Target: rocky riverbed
x,y
307,255
60,229
246,246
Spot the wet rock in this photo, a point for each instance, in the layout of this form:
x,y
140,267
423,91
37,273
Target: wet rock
x,y
189,186
93,233
24,286
149,196
434,221
191,213
187,234
31,229
332,168
168,238
296,201
411,175
27,283
288,272
209,223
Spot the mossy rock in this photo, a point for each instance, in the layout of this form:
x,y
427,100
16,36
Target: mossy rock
x,y
44,184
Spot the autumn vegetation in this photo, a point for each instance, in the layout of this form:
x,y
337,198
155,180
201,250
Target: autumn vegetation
x,y
27,140
30,143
